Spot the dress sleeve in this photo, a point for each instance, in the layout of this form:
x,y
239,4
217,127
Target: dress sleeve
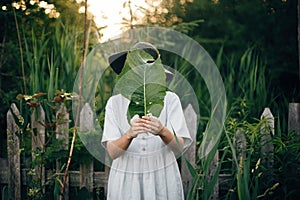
x,y
176,121
111,129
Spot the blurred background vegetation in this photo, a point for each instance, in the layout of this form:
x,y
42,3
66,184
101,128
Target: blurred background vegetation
x,y
253,43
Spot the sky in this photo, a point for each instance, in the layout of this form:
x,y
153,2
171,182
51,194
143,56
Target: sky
x,y
109,13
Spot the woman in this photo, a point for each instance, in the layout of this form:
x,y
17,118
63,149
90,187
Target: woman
x,y
143,149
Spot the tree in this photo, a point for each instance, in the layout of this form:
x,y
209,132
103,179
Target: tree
x,y
270,26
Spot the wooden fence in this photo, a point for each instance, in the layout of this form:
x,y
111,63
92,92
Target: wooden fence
x,y
15,177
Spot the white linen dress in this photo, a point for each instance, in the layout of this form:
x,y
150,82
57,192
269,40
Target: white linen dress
x,y
147,170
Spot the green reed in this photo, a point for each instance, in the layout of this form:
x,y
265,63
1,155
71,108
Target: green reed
x,y
52,59
247,94
245,78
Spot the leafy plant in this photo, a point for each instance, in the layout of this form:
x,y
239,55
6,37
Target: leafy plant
x,y
4,193
50,58
205,179
248,160
286,165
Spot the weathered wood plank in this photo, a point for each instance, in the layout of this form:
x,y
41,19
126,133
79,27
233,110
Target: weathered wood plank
x,y
294,118
62,126
100,178
191,120
38,141
212,171
86,118
62,133
87,170
240,144
13,151
267,131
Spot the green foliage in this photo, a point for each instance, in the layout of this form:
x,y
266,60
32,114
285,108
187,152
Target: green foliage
x,y
53,61
204,178
287,157
245,79
247,94
237,25
35,24
4,193
242,157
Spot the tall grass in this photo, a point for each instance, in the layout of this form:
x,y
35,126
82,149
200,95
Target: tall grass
x,y
248,171
67,55
52,59
245,80
247,93
35,57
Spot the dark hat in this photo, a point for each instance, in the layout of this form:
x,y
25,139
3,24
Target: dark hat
x,y
117,60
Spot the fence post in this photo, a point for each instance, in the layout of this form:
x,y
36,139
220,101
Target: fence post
x,y
13,151
191,120
267,148
212,171
241,144
294,118
38,141
62,133
87,170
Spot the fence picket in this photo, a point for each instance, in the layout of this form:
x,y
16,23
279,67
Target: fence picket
x,y
38,141
294,118
191,120
62,127
212,171
241,144
62,133
267,130
87,169
13,151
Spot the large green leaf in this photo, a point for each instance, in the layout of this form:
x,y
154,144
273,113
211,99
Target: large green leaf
x,y
151,103
143,82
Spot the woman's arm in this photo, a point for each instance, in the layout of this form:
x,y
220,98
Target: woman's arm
x,y
176,143
117,147
145,124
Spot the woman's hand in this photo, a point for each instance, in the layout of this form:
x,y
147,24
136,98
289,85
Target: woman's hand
x,y
153,125
137,127
118,147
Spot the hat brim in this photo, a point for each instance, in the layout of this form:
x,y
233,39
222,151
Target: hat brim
x,y
117,61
